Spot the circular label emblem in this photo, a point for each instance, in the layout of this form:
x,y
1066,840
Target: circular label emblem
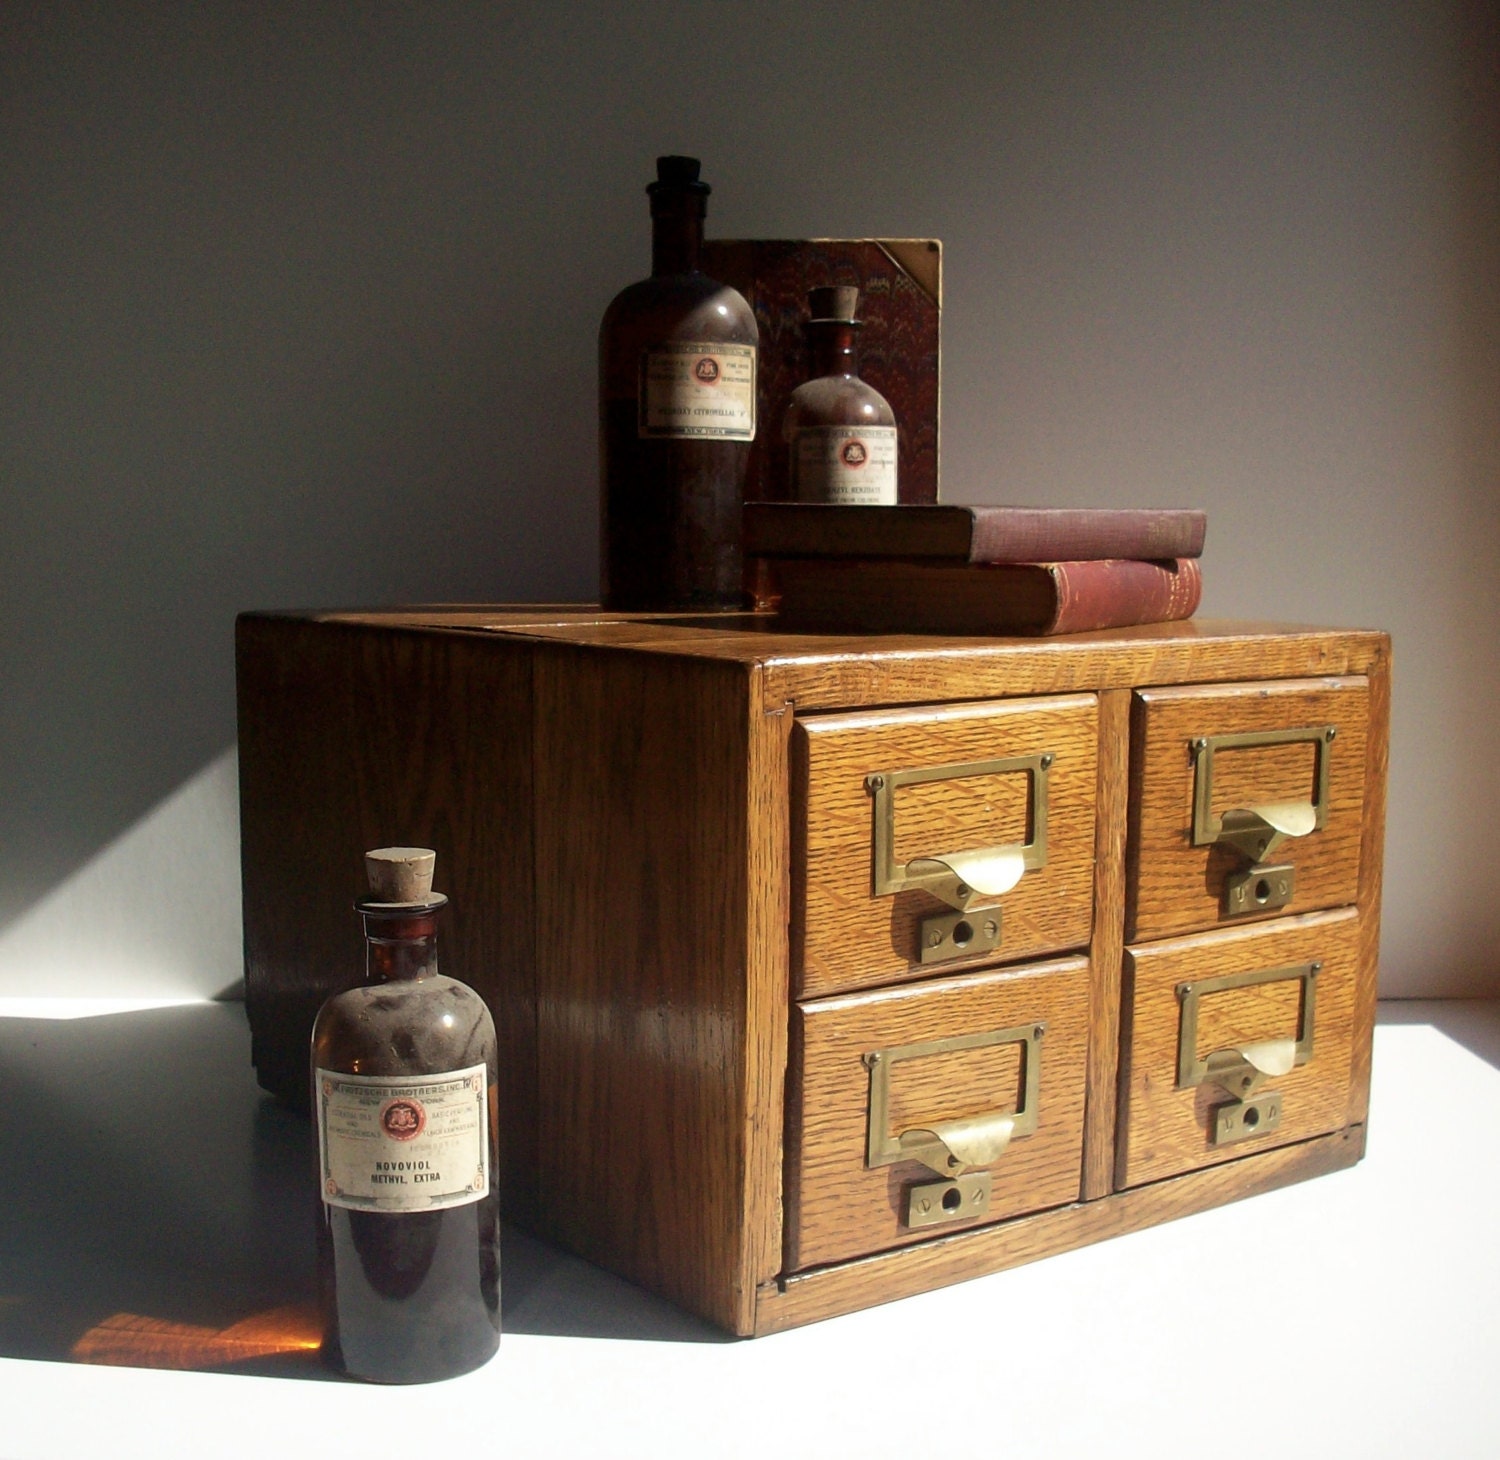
x,y
402,1119
853,453
707,371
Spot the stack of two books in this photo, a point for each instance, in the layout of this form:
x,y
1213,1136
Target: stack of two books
x,y
976,570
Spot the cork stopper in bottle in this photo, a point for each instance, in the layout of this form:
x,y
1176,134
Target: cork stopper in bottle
x,y
400,874
834,302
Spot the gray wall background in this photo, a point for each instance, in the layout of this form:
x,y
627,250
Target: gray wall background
x,y
298,307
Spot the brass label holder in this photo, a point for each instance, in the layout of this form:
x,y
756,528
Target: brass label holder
x,y
951,1147
1255,832
1242,1070
957,877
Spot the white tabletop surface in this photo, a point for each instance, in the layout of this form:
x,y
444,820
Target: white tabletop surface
x,y
141,1172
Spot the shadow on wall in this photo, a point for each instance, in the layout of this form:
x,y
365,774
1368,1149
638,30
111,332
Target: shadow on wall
x,y
154,915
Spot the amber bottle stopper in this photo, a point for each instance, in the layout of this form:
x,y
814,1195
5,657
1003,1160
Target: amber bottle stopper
x,y
835,303
678,174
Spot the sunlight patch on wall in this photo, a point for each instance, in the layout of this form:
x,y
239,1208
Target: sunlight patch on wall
x,y
152,919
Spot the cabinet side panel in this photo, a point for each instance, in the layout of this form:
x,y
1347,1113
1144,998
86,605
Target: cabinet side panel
x,y
355,737
1371,864
642,942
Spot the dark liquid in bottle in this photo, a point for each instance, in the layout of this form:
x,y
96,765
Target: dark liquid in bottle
x,y
413,1297
670,504
410,1296
672,518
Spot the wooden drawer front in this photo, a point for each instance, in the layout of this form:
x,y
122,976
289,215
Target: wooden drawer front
x,y
1248,746
1241,988
839,1204
845,933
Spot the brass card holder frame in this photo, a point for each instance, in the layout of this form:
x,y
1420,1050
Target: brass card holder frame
x,y
950,876
926,1145
1230,1065
1242,1071
1254,832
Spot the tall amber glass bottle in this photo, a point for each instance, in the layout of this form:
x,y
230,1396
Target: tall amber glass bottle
x,y
839,430
404,1071
677,378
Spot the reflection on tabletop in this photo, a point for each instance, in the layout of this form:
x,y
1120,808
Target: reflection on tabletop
x,y
158,1208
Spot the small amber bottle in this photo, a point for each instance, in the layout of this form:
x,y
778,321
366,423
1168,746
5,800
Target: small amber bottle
x,y
840,432
404,1071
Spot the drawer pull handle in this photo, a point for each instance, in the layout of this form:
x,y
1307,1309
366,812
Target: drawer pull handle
x,y
956,877
1256,831
1244,1070
951,1147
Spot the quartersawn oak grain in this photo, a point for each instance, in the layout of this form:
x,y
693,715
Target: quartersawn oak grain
x,y
1166,1130
1173,886
837,1206
617,801
843,935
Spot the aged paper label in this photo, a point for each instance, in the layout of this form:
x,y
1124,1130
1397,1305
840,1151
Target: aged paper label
x,y
693,390
413,1144
854,466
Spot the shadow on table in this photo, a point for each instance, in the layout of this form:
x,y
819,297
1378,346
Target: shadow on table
x,y
1473,1023
157,1209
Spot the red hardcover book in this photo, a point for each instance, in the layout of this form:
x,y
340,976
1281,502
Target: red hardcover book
x,y
894,596
977,534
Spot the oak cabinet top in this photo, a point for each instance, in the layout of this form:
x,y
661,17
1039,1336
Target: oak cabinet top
x,y
815,671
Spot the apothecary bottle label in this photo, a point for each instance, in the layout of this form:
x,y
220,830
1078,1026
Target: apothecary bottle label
x,y
698,390
854,466
416,1143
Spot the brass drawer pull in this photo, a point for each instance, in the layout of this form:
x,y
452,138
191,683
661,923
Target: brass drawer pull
x,y
1242,1070
955,877
952,1147
1256,831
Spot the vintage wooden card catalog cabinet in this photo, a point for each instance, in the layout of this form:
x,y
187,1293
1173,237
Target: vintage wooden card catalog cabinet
x,y
831,969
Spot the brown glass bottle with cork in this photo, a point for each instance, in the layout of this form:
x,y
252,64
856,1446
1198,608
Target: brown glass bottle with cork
x,y
840,432
404,1077
677,383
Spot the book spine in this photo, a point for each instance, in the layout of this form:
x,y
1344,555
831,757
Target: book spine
x,y
1059,534
1115,593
